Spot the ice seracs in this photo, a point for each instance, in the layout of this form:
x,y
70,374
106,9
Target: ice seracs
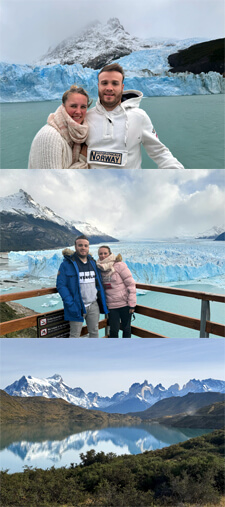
x,y
164,262
50,82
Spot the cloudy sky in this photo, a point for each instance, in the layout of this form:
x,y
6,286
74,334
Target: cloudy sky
x,y
109,366
29,27
128,204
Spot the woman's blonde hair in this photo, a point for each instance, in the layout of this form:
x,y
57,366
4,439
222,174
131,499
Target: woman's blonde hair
x,y
76,89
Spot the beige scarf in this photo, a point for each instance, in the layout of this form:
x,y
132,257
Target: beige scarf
x,y
74,133
107,265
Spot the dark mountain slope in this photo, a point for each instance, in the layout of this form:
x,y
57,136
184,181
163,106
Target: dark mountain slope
x,y
204,57
188,404
221,237
25,232
210,417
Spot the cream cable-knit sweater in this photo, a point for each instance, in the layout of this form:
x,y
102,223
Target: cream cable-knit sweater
x,y
49,150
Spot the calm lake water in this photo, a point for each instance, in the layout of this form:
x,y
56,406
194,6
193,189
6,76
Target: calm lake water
x,y
181,305
192,127
39,450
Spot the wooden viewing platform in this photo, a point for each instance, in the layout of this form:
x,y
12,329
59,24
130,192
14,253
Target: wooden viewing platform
x,y
203,324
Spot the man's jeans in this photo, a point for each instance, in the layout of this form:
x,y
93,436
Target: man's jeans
x,y
92,318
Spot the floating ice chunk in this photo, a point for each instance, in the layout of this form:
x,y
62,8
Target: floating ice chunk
x,y
50,303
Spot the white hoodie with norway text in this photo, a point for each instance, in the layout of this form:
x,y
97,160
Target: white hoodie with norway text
x,y
115,137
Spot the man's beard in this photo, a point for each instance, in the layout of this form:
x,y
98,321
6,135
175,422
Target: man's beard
x,y
110,104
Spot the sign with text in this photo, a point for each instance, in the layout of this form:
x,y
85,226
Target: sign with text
x,y
53,325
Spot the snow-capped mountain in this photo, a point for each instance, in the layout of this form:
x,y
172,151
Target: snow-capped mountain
x,y
22,203
78,58
138,398
211,233
94,46
54,387
27,225
87,229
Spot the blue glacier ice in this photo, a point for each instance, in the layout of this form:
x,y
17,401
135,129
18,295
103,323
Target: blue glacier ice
x,y
149,262
145,70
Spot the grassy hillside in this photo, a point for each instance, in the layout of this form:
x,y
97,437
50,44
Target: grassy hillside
x,y
212,416
188,404
7,313
38,409
186,474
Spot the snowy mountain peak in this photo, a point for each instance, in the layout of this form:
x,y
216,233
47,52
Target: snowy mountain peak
x,y
211,233
160,387
139,397
113,42
174,388
23,204
56,377
114,23
24,195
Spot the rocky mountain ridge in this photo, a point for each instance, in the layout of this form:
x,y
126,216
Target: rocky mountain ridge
x,y
138,398
26,225
211,233
221,237
204,57
94,46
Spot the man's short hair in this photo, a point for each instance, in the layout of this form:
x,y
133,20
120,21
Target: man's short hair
x,y
112,67
81,237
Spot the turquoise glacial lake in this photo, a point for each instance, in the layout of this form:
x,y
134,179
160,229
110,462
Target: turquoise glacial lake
x,y
192,127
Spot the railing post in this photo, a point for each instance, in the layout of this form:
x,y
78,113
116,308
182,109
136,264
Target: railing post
x,y
205,315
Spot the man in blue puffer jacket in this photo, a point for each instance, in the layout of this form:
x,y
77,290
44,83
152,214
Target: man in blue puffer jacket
x,y
79,284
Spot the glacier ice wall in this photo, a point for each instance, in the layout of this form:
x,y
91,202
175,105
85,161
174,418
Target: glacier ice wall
x,y
151,264
23,83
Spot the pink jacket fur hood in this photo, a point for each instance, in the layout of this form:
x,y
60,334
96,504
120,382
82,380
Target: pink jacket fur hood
x,y
118,282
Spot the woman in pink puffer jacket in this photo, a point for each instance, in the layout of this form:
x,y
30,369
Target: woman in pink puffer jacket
x,y
120,291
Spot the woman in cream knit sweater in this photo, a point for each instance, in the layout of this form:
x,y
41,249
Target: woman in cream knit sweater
x,y
60,143
120,291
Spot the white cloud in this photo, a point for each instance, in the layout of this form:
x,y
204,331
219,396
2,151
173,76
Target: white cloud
x,y
29,27
150,203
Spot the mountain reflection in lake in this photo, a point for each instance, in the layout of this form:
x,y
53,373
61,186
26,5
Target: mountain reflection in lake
x,y
35,448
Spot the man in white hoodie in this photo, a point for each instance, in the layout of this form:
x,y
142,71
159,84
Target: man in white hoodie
x,y
117,127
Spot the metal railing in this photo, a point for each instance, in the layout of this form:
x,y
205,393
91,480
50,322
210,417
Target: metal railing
x,y
203,324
